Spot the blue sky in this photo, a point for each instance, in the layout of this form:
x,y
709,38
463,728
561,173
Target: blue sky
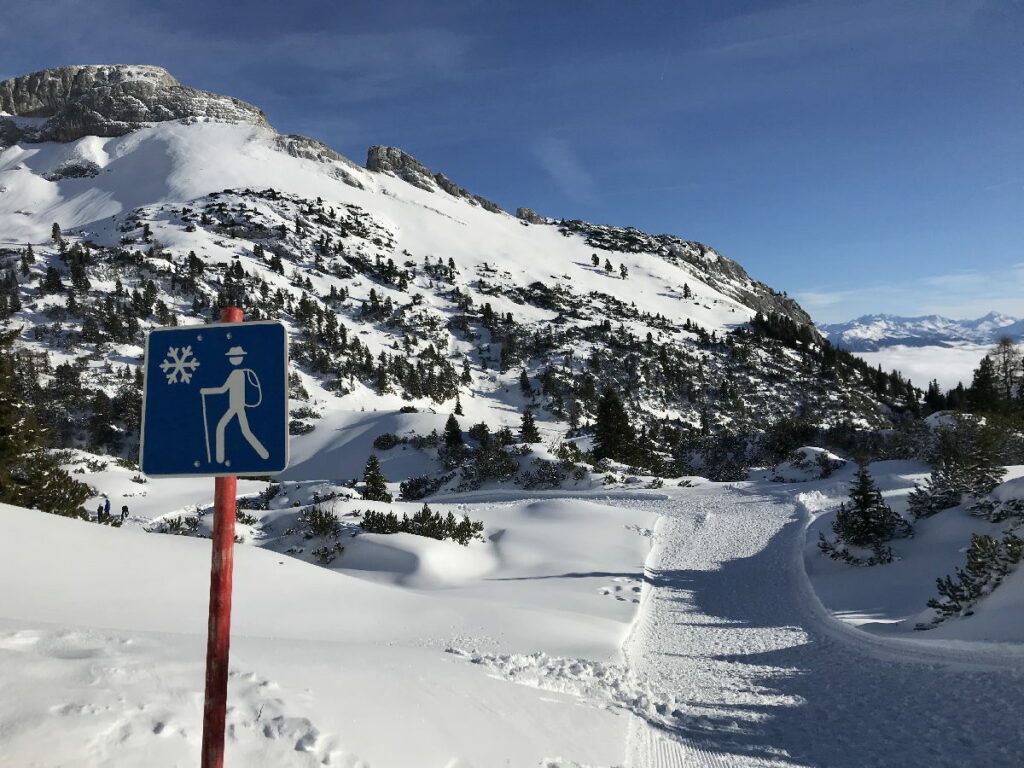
x,y
862,156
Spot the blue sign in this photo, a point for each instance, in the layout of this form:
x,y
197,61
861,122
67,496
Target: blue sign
x,y
215,401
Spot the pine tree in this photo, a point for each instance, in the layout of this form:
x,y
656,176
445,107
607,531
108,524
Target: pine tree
x,y
56,234
528,429
614,437
867,521
30,477
983,394
1006,367
376,484
453,434
524,383
458,405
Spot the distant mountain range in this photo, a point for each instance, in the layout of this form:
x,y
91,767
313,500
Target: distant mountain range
x,y
871,333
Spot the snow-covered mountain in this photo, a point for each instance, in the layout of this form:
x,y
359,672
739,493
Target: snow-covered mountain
x,y
871,333
401,288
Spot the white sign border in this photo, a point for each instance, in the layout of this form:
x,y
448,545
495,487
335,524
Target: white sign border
x,y
145,389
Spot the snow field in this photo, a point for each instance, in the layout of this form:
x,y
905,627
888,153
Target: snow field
x,y
763,677
327,669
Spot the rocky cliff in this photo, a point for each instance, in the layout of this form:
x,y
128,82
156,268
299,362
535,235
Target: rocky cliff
x,y
108,100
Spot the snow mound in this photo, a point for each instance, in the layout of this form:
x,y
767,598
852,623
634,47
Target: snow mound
x,y
806,464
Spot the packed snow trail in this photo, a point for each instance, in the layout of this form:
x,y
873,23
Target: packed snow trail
x,y
756,676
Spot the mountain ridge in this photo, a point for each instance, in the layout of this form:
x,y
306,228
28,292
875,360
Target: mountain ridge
x,y
873,332
399,291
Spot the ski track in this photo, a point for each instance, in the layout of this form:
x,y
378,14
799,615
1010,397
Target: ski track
x,y
759,675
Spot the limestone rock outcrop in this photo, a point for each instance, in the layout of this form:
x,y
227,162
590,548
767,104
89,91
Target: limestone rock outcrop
x,y
107,100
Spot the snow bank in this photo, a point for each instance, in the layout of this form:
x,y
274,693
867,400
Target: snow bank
x,y
891,599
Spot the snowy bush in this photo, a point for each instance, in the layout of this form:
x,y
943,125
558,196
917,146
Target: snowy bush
x,y
424,523
1005,502
318,521
416,488
326,555
386,441
807,463
988,562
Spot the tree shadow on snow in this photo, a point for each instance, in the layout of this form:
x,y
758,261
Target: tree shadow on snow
x,y
816,700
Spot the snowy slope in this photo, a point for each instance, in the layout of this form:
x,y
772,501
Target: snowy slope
x,y
327,669
441,299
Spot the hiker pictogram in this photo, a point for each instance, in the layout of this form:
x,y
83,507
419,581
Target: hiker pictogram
x,y
215,400
238,383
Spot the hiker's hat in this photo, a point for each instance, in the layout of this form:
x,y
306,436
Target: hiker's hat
x,y
236,352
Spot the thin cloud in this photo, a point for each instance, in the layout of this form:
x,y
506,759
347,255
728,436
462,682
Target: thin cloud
x,y
957,295
557,157
798,28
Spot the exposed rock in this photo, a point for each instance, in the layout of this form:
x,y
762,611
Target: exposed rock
x,y
110,101
455,190
311,149
529,215
406,167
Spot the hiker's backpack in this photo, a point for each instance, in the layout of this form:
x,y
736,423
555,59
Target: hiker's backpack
x,y
251,379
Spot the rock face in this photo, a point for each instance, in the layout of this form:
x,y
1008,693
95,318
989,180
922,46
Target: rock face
x,y
108,100
529,215
406,167
311,149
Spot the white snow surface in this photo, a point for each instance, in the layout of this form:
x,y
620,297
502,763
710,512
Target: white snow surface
x,y
565,639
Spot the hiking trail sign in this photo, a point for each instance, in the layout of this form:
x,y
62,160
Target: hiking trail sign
x,y
215,401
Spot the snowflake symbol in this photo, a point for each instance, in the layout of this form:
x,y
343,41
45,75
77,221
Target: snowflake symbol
x,y
177,366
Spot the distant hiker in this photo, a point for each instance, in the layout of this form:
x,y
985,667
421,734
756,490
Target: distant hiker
x,y
106,508
124,512
99,513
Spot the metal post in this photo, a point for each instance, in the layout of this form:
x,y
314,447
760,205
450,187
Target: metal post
x,y
219,626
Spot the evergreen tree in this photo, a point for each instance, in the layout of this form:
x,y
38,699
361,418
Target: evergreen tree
x,y
458,405
528,430
934,398
966,462
29,476
453,434
867,521
614,437
1006,367
983,394
524,383
56,234
376,484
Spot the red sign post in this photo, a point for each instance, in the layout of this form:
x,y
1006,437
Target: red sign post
x,y
219,627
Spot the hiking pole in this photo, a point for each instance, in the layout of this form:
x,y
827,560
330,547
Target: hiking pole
x,y
206,427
